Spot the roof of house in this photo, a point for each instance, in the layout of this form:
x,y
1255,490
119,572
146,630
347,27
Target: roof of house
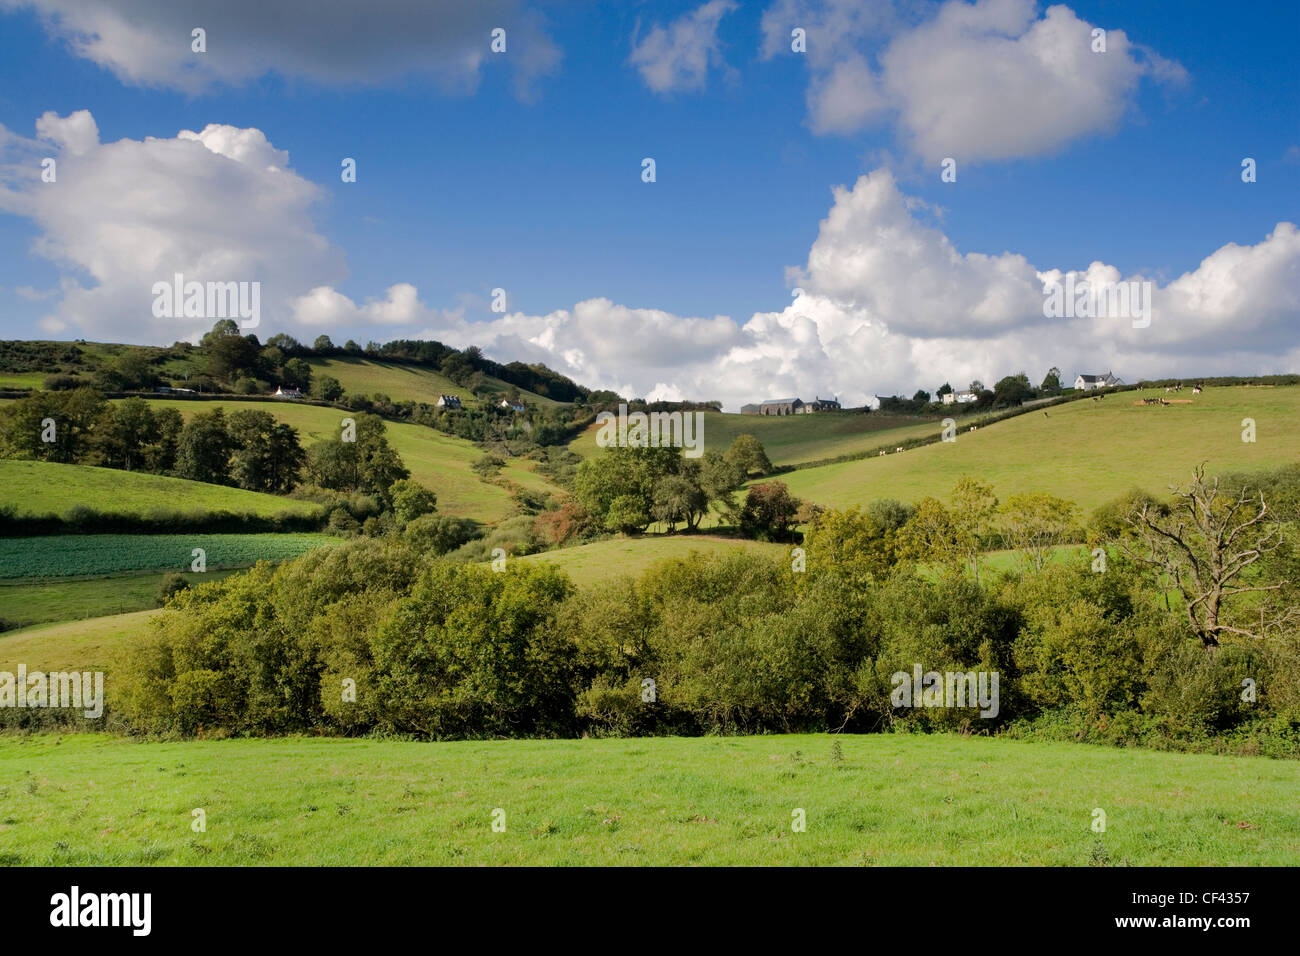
x,y
780,401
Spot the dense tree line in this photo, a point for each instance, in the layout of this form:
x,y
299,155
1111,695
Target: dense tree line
x,y
380,635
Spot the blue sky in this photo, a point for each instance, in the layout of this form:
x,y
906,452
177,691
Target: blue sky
x,y
528,178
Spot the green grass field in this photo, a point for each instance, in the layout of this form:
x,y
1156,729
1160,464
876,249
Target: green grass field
x,y
23,379
95,644
604,560
1088,452
44,487
69,599
792,439
403,383
438,461
886,800
72,555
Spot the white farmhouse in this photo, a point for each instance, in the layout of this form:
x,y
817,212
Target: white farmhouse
x,y
1087,383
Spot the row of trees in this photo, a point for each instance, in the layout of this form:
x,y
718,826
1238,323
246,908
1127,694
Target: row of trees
x,y
377,636
1008,392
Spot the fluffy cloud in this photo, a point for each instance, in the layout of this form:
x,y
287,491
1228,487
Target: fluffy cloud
x,y
984,81
677,57
148,42
887,302
216,205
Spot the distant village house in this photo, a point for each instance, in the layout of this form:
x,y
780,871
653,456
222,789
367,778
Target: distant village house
x,y
447,401
283,392
959,398
1087,383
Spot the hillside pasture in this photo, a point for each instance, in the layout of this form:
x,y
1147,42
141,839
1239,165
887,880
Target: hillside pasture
x,y
1086,451
408,383
49,488
26,603
438,461
99,643
791,439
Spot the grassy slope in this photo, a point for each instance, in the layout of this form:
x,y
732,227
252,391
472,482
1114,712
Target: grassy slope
x,y
612,558
94,644
792,439
72,599
890,800
439,461
406,382
1085,451
40,487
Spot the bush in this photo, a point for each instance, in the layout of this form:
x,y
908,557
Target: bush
x,y
172,583
768,512
439,534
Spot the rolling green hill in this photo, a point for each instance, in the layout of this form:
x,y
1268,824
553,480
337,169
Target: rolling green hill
x,y
27,603
1088,452
438,461
881,799
791,439
92,644
402,382
42,487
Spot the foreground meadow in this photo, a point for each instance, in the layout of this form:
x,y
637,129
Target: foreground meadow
x,y
868,800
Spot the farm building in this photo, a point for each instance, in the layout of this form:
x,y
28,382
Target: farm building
x,y
447,401
283,392
780,406
959,398
791,406
1087,383
821,405
515,406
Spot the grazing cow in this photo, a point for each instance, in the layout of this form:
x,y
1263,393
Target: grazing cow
x,y
899,448
1196,390
882,451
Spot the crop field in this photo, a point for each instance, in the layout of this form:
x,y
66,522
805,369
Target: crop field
x,y
1087,452
791,439
25,603
86,799
65,555
49,488
440,462
604,560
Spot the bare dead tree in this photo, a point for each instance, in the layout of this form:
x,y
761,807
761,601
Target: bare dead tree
x,y
1203,543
